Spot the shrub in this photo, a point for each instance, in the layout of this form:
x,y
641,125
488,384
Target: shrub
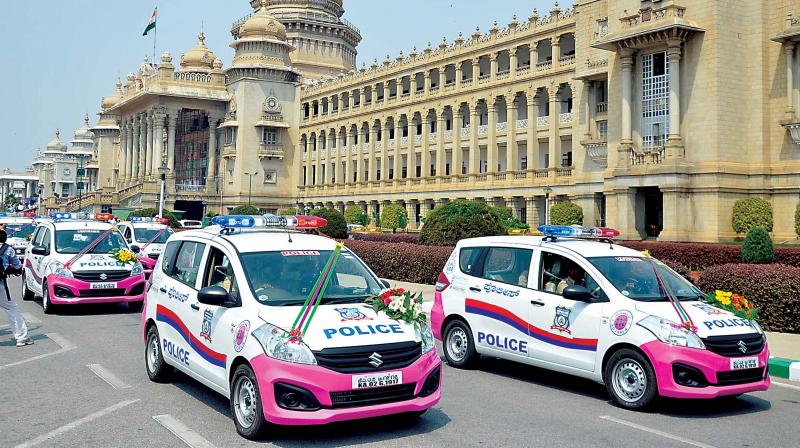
x,y
356,215
445,225
678,267
337,227
757,247
153,212
699,256
773,288
411,238
291,211
797,220
566,214
394,217
751,212
402,261
212,214
508,220
246,210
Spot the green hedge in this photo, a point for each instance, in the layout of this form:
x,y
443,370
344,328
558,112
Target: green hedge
x,y
245,210
288,211
402,261
337,227
751,212
394,217
447,224
797,220
757,247
566,214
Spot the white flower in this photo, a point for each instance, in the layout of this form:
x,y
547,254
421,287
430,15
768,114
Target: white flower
x,y
402,309
394,305
417,309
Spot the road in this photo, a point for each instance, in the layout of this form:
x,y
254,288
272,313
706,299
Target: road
x,y
83,384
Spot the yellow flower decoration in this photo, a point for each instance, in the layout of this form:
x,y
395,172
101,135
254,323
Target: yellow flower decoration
x,y
646,253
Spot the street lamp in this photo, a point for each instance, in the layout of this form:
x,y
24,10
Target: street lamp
x,y
250,193
547,192
163,170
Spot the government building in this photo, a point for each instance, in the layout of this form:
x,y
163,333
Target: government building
x,y
654,116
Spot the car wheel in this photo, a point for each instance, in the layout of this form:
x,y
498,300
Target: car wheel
x,y
459,346
47,306
27,294
136,307
157,369
630,379
246,408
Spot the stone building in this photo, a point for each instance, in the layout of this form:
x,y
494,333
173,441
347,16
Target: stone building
x,y
654,116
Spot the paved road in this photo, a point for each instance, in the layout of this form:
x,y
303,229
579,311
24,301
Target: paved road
x,y
49,397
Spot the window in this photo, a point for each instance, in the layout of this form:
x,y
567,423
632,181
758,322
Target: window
x,y
45,240
36,239
187,263
602,130
219,272
269,136
508,265
635,278
558,272
168,259
127,234
74,241
655,99
469,260
229,136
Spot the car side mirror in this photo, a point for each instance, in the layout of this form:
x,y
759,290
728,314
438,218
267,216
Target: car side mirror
x,y
40,250
213,295
386,283
136,249
578,293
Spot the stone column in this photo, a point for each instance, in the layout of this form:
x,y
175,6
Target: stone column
x,y
341,102
372,207
424,207
147,146
352,100
455,167
459,75
441,157
411,210
322,160
511,139
398,157
413,90
375,93
211,172
143,147
554,147
359,163
532,149
512,57
137,135
476,70
123,147
172,124
427,76
531,212
626,63
474,147
425,156
373,141
362,96
158,141
788,50
442,79
674,54
493,66
556,51
491,150
130,154
385,150
309,162
534,55
347,174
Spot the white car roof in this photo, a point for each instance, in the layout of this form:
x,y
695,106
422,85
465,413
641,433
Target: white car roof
x,y
586,248
80,225
15,220
251,241
143,225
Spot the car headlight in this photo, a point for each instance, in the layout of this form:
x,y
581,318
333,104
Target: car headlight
x,y
137,269
426,334
59,270
277,344
671,333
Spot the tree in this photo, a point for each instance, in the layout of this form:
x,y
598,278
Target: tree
x,y
394,217
246,210
751,212
797,220
337,227
153,212
447,224
757,247
291,211
566,214
356,215
508,220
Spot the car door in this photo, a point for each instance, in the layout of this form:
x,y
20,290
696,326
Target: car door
x,y
564,331
40,262
32,261
498,301
225,328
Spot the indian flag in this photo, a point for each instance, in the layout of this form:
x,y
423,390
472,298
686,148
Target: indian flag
x,y
152,24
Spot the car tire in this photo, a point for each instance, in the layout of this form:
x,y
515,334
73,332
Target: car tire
x,y
459,346
136,307
246,407
27,294
157,369
630,380
47,305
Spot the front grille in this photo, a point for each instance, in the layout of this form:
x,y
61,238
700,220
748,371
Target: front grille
x,y
371,397
103,292
729,345
111,276
744,376
357,359
153,256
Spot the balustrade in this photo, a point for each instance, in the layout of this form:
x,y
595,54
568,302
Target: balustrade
x,y
543,121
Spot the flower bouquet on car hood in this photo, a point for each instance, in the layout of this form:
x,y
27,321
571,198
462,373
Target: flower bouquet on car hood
x,y
399,305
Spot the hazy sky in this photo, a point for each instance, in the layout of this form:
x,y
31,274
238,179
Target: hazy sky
x,y
61,56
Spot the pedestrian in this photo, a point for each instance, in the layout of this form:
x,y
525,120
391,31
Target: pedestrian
x,y
10,265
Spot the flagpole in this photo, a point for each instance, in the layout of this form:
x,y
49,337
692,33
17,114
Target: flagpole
x,y
155,37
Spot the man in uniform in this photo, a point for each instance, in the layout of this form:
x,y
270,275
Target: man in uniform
x,y
11,266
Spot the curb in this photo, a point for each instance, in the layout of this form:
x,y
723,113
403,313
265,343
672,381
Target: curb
x,y
784,368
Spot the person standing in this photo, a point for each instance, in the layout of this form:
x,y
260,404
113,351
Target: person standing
x,y
10,265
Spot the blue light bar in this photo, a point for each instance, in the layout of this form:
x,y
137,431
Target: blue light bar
x,y
237,222
245,222
63,216
558,231
140,219
577,232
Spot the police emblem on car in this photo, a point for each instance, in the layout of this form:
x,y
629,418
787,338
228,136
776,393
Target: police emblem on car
x,y
376,360
561,320
351,314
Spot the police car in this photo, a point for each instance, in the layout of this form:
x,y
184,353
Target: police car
x,y
69,262
576,305
19,230
146,236
221,307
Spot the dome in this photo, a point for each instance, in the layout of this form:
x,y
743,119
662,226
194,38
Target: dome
x,y
199,58
110,101
56,146
263,25
84,132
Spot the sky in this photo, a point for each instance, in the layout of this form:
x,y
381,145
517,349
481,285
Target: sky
x,y
62,57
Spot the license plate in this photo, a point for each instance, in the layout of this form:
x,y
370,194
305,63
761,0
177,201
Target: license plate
x,y
109,285
377,380
744,363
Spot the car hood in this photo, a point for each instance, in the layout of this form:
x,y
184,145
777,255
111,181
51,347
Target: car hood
x,y
17,243
347,325
93,262
709,320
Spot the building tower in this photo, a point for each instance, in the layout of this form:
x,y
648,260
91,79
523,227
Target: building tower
x,y
325,43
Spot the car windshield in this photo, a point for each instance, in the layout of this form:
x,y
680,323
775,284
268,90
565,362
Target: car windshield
x,y
74,241
144,235
286,278
20,230
635,278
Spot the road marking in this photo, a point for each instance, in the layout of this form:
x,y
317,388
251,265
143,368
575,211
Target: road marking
x,y
790,386
107,376
189,436
55,337
656,432
70,426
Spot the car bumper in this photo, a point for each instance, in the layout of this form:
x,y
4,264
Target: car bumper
x,y
321,382
130,289
664,357
437,316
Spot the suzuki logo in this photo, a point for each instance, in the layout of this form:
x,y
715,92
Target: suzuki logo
x,y
103,277
376,360
742,347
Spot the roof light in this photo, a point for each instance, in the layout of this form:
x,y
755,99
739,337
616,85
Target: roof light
x,y
143,219
578,232
266,221
104,216
63,216
81,216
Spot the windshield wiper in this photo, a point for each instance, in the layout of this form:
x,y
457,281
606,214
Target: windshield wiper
x,y
335,300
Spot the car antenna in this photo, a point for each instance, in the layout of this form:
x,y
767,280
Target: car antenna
x,y
286,228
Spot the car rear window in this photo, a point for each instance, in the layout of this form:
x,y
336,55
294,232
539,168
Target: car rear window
x,y
469,260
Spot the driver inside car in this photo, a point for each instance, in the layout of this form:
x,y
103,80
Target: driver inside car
x,y
575,276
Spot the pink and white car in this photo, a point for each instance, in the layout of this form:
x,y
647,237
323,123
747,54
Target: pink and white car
x,y
57,270
224,299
